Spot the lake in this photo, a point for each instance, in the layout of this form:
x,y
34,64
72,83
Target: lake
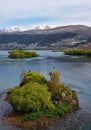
x,y
75,72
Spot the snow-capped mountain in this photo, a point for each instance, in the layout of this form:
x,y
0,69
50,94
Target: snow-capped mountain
x,y
42,27
20,28
11,29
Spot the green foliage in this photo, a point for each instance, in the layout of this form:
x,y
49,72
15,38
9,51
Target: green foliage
x,y
61,94
56,112
32,97
22,54
34,77
33,116
36,96
59,111
66,94
86,52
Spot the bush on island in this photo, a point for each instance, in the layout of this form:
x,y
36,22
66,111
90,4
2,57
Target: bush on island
x,y
19,54
36,96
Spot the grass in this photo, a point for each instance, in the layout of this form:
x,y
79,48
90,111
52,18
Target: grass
x,y
59,111
86,52
33,116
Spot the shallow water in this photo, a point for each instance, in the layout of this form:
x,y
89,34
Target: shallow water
x,y
75,72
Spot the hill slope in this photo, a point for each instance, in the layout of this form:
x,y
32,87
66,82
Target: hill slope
x,y
72,34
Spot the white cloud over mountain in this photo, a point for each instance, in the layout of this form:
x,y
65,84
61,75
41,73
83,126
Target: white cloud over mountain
x,y
52,11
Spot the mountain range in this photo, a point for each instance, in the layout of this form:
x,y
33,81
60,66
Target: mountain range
x,y
44,36
20,29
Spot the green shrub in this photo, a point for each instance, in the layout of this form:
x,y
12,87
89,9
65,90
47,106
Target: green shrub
x,y
34,77
33,116
22,54
32,97
86,52
36,96
60,93
59,111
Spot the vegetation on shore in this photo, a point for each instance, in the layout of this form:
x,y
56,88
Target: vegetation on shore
x,y
19,54
86,52
37,100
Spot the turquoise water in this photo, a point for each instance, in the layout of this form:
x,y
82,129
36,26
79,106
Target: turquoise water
x,y
75,72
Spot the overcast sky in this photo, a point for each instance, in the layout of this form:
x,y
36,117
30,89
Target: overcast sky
x,y
51,12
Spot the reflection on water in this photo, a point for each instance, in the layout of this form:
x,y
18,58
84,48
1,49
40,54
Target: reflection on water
x,y
75,72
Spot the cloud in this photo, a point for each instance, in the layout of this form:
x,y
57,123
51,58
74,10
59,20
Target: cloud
x,y
54,11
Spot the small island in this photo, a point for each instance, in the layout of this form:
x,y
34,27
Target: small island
x,y
20,54
85,52
38,102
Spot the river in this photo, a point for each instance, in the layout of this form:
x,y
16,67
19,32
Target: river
x,y
75,72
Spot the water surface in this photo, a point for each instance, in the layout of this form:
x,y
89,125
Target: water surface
x,y
75,72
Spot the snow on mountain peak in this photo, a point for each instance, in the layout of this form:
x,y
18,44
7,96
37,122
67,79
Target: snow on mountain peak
x,y
12,29
22,28
42,27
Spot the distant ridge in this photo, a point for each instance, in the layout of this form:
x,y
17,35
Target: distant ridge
x,y
47,29
21,29
45,36
11,29
69,28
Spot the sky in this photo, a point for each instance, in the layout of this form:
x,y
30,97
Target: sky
x,y
32,13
